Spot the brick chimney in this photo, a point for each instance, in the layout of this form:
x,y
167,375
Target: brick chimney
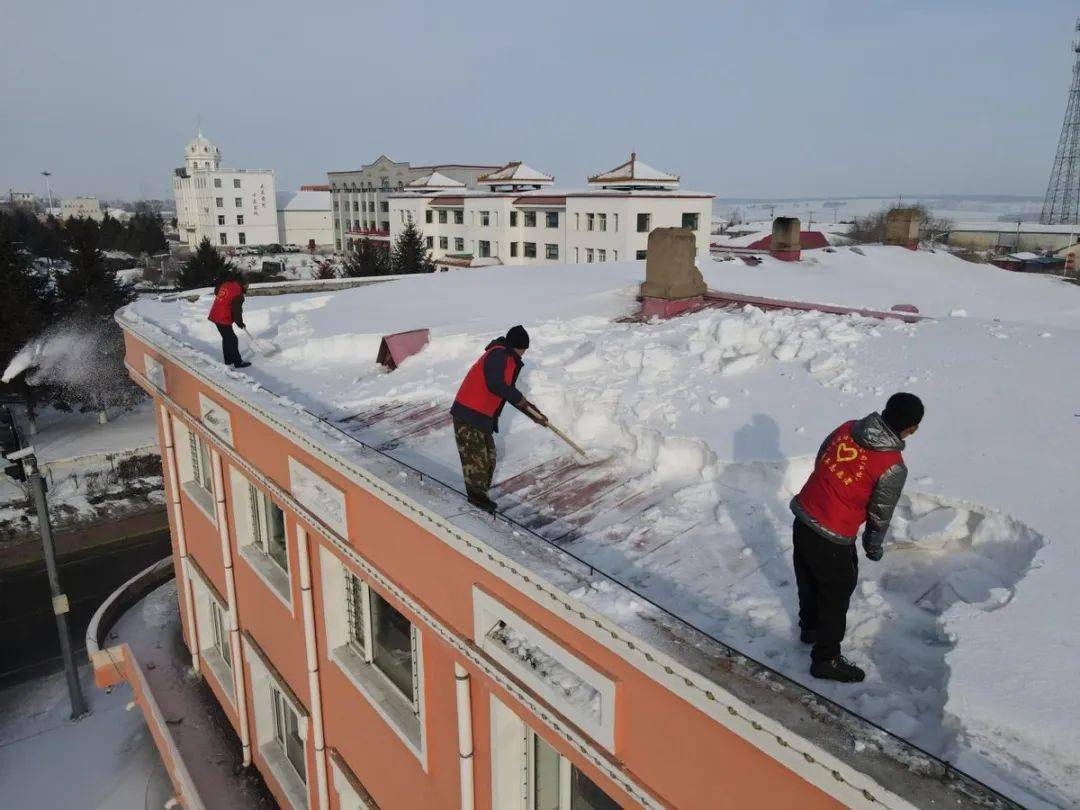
x,y
785,239
673,284
902,227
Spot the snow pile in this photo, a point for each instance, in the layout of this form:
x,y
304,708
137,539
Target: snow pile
x,y
699,430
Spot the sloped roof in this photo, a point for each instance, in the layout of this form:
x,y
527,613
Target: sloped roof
x,y
434,180
303,201
515,172
635,171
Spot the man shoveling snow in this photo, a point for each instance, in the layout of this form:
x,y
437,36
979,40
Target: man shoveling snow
x,y
487,387
228,308
857,478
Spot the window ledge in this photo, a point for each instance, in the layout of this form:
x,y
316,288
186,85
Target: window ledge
x,y
295,789
222,673
269,572
394,707
202,499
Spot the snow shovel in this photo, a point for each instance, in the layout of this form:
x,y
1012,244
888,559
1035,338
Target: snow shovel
x,y
265,349
560,434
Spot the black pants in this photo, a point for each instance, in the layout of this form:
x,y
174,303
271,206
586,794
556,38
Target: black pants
x,y
826,573
230,346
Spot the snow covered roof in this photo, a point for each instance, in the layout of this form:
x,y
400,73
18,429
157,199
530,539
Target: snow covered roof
x,y
303,201
516,173
699,430
434,180
637,173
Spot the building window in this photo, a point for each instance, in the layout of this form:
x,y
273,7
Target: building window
x,y
217,182
371,207
552,218
643,221
239,201
430,242
530,250
690,221
640,254
355,206
236,182
483,248
459,244
577,255
268,522
577,222
444,242
601,222
428,216
196,468
287,732
223,239
513,249
261,535
240,221
616,222
384,206
459,217
513,220
601,255
221,219
530,219
337,242
241,236
381,635
551,251
554,783
442,217
219,627
219,201
385,226
615,255
485,218
590,222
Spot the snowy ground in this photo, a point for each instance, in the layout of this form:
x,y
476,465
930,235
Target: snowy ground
x,y
105,760
298,266
700,429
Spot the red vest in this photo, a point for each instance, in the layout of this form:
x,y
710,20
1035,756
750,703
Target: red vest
x,y
474,393
843,480
221,311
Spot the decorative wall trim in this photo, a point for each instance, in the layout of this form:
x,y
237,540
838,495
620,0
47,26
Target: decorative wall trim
x,y
217,418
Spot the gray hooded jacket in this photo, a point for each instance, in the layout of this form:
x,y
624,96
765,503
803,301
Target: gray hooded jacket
x,y
872,433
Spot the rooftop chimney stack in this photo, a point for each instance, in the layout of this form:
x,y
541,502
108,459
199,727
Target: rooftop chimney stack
x,y
786,245
902,227
673,284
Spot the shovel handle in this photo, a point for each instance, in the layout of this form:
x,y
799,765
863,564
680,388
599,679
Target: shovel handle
x,y
556,431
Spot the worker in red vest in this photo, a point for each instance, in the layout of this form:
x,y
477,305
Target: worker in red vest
x,y
228,308
487,387
858,477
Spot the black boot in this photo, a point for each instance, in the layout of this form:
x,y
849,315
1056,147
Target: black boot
x,y
482,501
837,669
808,635
241,364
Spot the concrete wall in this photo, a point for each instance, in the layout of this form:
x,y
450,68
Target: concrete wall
x,y
297,227
76,207
1006,239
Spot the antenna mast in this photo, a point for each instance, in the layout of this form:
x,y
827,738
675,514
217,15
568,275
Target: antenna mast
x,y
1062,203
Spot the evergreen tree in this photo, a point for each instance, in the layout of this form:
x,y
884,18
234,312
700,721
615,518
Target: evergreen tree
x,y
206,268
410,253
368,259
111,234
89,285
144,233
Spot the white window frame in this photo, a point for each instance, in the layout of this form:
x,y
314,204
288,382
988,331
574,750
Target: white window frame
x,y
216,651
601,222
565,767
351,794
283,711
250,526
196,481
355,656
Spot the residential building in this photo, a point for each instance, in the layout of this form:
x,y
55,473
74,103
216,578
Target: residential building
x,y
516,217
81,207
375,642
304,218
21,199
360,201
230,207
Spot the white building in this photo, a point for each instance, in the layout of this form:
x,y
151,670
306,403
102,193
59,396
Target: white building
x,y
230,207
360,198
304,219
78,207
518,218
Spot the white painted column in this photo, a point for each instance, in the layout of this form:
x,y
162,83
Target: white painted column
x,y
308,606
465,735
187,598
230,591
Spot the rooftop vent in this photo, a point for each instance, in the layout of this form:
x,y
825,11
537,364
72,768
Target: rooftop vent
x,y
393,349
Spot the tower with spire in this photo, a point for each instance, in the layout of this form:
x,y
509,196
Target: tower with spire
x,y
1062,202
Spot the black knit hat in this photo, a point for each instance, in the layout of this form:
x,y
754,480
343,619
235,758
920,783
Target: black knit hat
x,y
517,337
903,411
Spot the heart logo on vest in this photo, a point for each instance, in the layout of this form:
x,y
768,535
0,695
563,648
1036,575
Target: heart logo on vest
x,y
845,452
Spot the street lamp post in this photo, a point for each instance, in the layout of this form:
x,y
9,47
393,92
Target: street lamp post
x,y
59,598
48,188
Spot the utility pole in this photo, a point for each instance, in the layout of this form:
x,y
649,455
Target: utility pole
x,y
59,598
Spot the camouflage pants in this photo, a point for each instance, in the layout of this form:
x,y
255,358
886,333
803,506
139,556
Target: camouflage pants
x,y
477,451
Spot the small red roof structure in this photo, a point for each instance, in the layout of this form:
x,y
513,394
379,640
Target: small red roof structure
x,y
393,349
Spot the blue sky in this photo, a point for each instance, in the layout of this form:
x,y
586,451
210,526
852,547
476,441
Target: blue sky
x,y
740,98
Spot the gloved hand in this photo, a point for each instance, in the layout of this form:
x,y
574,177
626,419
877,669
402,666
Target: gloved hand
x,y
241,324
533,413
874,551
